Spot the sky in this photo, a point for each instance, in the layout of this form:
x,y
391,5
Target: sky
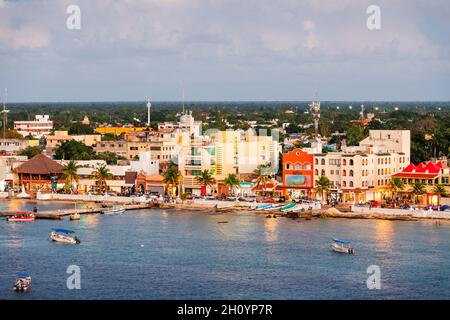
x,y
253,50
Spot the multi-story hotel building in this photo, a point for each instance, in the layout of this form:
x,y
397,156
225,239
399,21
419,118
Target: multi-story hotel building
x,y
38,128
241,152
223,153
363,172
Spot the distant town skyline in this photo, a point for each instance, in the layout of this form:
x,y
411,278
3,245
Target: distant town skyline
x,y
224,50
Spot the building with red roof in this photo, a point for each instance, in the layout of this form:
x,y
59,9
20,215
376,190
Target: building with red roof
x,y
429,174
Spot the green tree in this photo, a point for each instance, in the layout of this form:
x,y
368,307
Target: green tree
x,y
74,150
80,129
231,181
323,185
440,190
396,185
13,134
70,173
263,177
418,188
109,157
206,179
101,174
30,151
172,179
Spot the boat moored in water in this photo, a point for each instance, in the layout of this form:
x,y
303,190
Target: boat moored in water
x,y
23,282
342,246
75,216
264,206
288,207
21,216
64,236
114,211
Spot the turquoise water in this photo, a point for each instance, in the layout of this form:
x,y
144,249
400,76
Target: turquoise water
x,y
169,254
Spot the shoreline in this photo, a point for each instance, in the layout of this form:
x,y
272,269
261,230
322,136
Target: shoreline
x,y
240,208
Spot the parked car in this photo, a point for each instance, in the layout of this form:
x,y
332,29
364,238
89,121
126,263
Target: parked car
x,y
445,207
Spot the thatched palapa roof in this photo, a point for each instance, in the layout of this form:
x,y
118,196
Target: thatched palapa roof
x,y
40,164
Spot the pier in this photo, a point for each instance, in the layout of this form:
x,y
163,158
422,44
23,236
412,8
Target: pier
x,y
58,214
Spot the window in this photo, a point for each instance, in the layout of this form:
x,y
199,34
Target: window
x,y
344,162
344,184
322,172
351,173
344,173
322,162
288,166
351,162
316,172
351,184
316,161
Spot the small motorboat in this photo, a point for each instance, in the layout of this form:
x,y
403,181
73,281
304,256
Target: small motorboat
x,y
114,211
264,206
224,205
75,216
23,282
341,246
22,216
64,236
288,207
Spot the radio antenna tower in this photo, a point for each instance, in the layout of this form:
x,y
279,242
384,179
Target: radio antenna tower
x,y
149,105
314,107
5,113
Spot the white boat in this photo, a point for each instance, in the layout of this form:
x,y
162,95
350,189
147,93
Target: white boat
x,y
63,235
224,205
23,282
75,216
341,246
114,211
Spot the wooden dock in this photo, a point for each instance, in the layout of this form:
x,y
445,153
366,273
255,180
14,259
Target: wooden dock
x,y
58,214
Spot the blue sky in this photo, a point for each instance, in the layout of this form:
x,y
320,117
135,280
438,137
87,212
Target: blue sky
x,y
225,50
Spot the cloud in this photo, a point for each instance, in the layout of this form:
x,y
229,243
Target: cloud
x,y
227,41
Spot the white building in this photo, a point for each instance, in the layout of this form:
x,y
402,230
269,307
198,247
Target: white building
x,y
38,128
362,173
187,123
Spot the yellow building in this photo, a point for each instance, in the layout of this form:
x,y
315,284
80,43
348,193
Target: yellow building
x,y
118,130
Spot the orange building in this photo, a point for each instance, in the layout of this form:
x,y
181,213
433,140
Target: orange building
x,y
298,174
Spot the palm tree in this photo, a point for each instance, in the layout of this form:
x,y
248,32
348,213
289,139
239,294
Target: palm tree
x,y
418,188
172,178
70,173
396,184
262,177
205,179
440,190
322,186
100,175
231,181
